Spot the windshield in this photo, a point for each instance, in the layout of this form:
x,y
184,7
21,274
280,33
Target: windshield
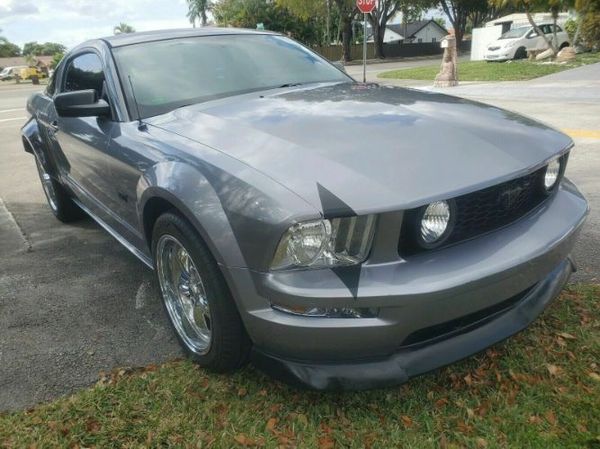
x,y
5,71
517,32
173,73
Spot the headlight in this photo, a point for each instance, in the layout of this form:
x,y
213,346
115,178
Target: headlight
x,y
325,243
435,223
552,174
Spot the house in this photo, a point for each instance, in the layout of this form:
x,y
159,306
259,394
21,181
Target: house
x,y
416,32
43,62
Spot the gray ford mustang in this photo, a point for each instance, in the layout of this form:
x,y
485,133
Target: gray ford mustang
x,y
342,235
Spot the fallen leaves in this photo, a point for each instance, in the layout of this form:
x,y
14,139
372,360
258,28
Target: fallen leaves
x,y
246,441
407,421
553,369
326,442
594,376
551,417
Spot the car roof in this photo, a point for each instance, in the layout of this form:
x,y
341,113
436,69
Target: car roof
x,y
123,39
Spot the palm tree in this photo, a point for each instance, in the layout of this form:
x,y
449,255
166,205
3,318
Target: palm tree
x,y
123,28
198,9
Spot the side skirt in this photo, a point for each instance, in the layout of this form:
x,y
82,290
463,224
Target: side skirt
x,y
136,252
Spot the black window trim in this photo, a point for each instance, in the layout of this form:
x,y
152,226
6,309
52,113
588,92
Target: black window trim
x,y
66,62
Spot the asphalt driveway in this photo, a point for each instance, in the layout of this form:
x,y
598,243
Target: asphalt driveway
x,y
73,302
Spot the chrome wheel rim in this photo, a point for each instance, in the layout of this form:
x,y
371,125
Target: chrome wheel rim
x,y
47,185
184,294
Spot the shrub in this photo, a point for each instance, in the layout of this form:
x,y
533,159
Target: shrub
x,y
571,28
590,30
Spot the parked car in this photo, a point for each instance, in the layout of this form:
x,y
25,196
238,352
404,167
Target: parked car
x,y
515,43
9,73
342,235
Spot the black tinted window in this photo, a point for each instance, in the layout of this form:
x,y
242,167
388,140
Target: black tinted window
x,y
85,72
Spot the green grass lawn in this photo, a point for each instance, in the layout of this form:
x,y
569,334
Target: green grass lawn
x,y
541,389
494,71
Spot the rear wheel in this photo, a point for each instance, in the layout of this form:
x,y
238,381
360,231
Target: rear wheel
x,y
60,202
196,297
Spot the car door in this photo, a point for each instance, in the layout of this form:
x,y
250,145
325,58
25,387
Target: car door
x,y
80,141
533,40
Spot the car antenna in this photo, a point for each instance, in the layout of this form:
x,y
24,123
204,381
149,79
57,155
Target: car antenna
x,y
141,125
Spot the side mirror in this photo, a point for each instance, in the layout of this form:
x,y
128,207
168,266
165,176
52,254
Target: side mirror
x,y
81,103
340,66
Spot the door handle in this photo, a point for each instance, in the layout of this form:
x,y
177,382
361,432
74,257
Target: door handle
x,y
53,125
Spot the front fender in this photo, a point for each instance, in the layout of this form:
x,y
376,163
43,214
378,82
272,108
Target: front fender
x,y
241,217
193,196
32,140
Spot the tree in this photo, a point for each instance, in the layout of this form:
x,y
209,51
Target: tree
x,y
589,23
378,19
32,48
51,48
347,10
318,12
45,49
123,28
198,10
56,58
458,12
412,10
8,49
273,16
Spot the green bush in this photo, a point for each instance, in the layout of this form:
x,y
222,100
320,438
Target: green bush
x,y
571,28
590,30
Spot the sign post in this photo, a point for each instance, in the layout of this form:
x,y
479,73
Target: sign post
x,y
366,7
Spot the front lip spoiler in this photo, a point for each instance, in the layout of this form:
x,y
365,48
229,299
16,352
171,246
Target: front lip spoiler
x,y
418,359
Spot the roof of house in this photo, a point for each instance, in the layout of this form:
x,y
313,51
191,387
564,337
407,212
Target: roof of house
x,y
413,28
20,60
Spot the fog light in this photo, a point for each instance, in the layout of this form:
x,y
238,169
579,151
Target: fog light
x,y
435,222
329,312
552,174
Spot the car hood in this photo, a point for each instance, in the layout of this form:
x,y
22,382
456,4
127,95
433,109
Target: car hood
x,y
370,147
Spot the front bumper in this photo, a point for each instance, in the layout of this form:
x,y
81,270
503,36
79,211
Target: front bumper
x,y
434,308
418,359
502,54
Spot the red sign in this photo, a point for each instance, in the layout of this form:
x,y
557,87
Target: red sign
x,y
366,6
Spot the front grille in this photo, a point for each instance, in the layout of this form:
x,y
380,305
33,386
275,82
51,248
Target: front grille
x,y
483,211
497,206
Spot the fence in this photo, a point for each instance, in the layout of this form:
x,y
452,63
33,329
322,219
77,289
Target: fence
x,y
334,52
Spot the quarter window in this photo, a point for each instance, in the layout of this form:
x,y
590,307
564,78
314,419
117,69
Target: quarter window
x,y
85,72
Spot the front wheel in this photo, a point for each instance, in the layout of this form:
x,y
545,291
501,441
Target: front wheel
x,y
60,202
521,53
196,297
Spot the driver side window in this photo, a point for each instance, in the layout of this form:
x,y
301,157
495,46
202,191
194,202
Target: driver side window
x,y
85,72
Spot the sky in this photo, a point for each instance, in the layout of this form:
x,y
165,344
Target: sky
x,y
71,22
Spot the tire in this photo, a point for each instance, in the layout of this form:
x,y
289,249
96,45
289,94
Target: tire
x,y
197,309
521,53
564,45
59,201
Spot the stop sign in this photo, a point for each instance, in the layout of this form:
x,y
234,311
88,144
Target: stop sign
x,y
366,6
